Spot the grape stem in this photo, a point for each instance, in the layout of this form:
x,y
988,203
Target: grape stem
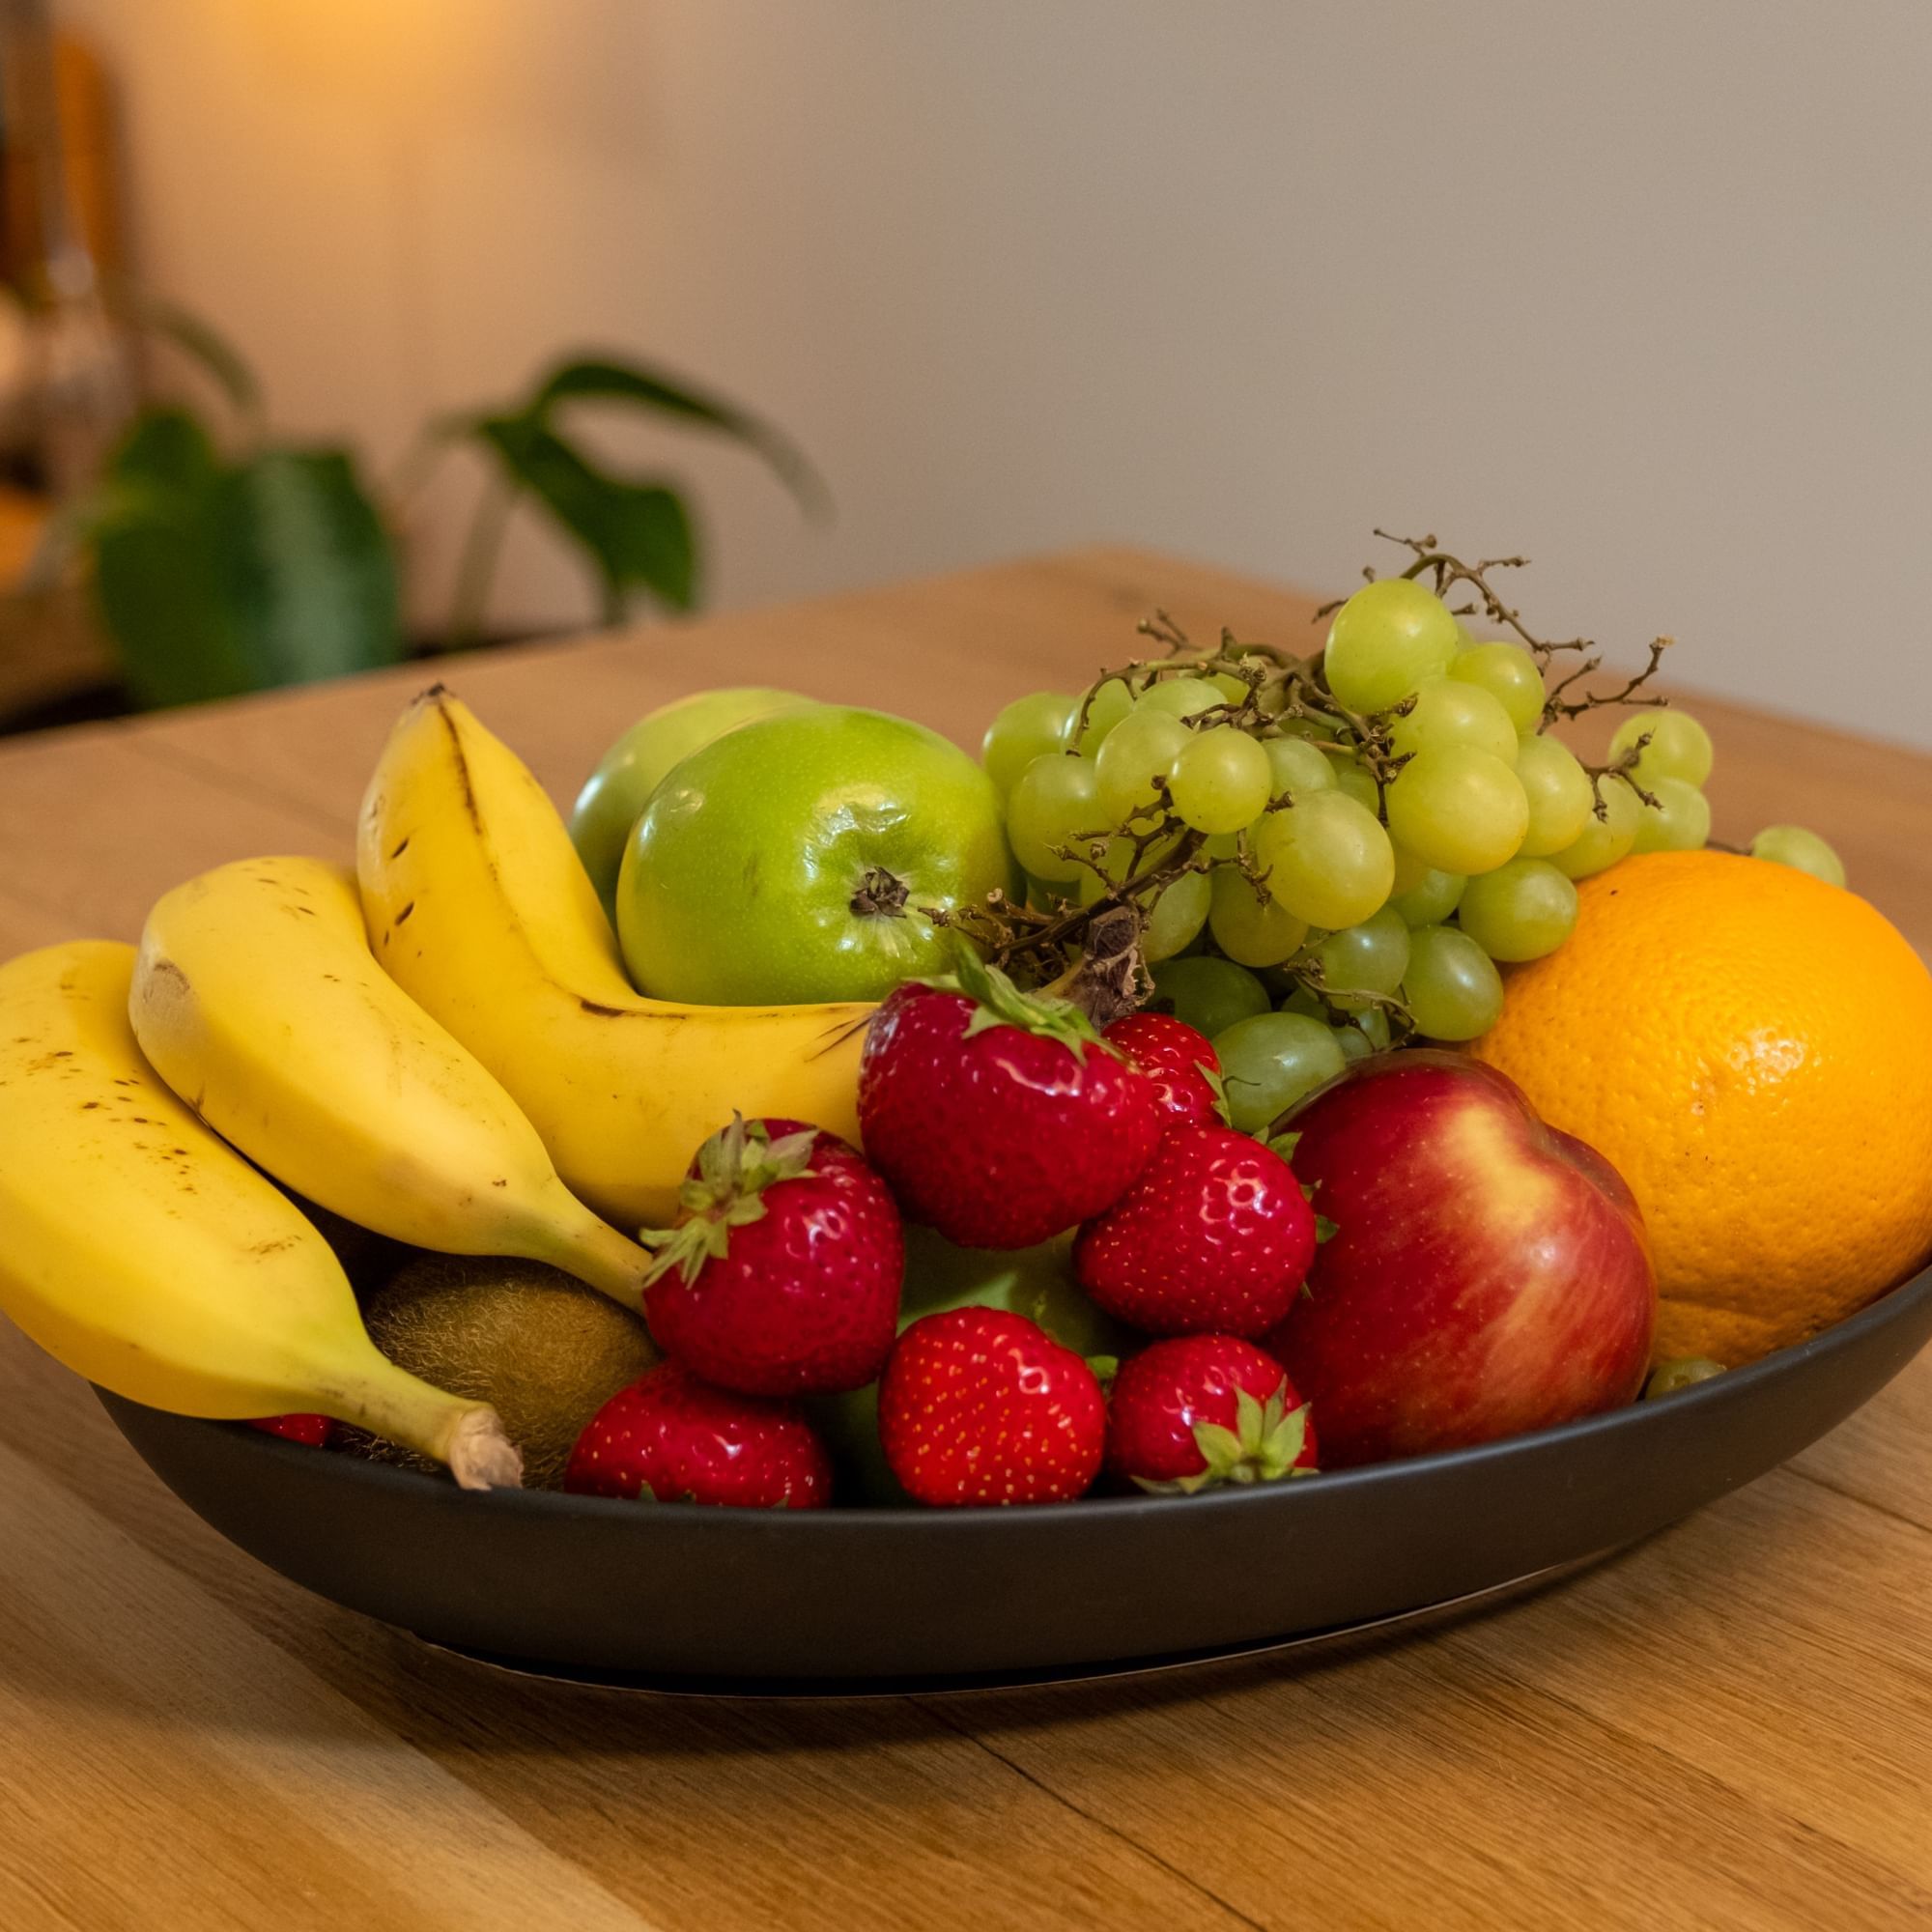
x,y
1554,706
1623,766
1429,560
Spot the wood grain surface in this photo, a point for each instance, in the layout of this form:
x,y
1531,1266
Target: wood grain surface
x,y
1730,1726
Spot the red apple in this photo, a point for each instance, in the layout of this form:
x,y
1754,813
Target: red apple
x,y
1487,1274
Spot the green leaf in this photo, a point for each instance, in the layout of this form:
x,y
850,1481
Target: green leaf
x,y
165,450
160,600
306,566
634,383
639,535
216,579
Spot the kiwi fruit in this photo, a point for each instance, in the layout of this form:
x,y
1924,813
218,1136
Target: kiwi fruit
x,y
544,1350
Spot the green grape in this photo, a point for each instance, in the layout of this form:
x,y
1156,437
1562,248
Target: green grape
x,y
1221,781
1374,1027
1328,860
1179,697
1140,750
1604,840
1519,911
1176,917
1295,766
1299,999
1680,821
1111,703
1363,1033
1431,900
1255,929
1679,748
1385,640
1681,1371
1353,782
1208,994
1452,987
1269,1062
1316,730
1024,731
1509,674
1056,799
1457,808
1559,790
1793,846
1222,846
1043,894
1450,712
1366,958
1410,871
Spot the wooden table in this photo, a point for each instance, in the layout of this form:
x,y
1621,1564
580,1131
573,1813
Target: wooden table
x,y
1728,1727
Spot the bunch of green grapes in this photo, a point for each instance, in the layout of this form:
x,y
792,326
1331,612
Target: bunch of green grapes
x,y
1333,855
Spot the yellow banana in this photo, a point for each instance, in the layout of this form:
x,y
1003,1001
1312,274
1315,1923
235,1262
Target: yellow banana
x,y
145,1254
479,907
256,999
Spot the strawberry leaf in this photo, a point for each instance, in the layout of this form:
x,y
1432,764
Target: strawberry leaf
x,y
735,1167
1218,1086
998,1002
1263,1446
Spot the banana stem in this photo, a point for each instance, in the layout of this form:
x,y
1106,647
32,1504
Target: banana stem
x,y
467,1435
596,1253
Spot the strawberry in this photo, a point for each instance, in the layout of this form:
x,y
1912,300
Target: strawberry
x,y
998,1116
1202,1409
978,1406
673,1438
1215,1237
783,1274
312,1430
1185,1069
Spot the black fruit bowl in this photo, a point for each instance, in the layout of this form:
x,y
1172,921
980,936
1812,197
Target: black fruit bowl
x,y
842,1600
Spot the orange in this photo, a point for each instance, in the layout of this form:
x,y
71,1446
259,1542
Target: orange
x,y
1751,1049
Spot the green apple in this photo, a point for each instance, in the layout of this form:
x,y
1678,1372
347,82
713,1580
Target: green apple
x,y
613,797
1034,1282
794,859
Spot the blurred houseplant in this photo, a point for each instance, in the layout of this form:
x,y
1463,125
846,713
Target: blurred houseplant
x,y
235,564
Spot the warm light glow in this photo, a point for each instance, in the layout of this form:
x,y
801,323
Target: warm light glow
x,y
390,53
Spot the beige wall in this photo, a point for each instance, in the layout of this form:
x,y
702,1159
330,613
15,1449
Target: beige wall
x,y
1640,289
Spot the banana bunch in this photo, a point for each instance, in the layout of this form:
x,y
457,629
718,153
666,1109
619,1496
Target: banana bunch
x,y
256,999
150,1257
479,908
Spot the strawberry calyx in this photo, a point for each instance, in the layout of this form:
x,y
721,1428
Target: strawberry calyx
x,y
1262,1447
997,1002
1218,1086
1285,1146
735,1167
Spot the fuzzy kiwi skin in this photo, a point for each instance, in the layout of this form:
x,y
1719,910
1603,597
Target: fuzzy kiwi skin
x,y
544,1350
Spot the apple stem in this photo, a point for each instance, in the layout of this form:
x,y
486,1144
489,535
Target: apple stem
x,y
881,895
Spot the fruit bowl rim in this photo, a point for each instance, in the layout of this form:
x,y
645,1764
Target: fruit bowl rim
x,y
1733,1385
